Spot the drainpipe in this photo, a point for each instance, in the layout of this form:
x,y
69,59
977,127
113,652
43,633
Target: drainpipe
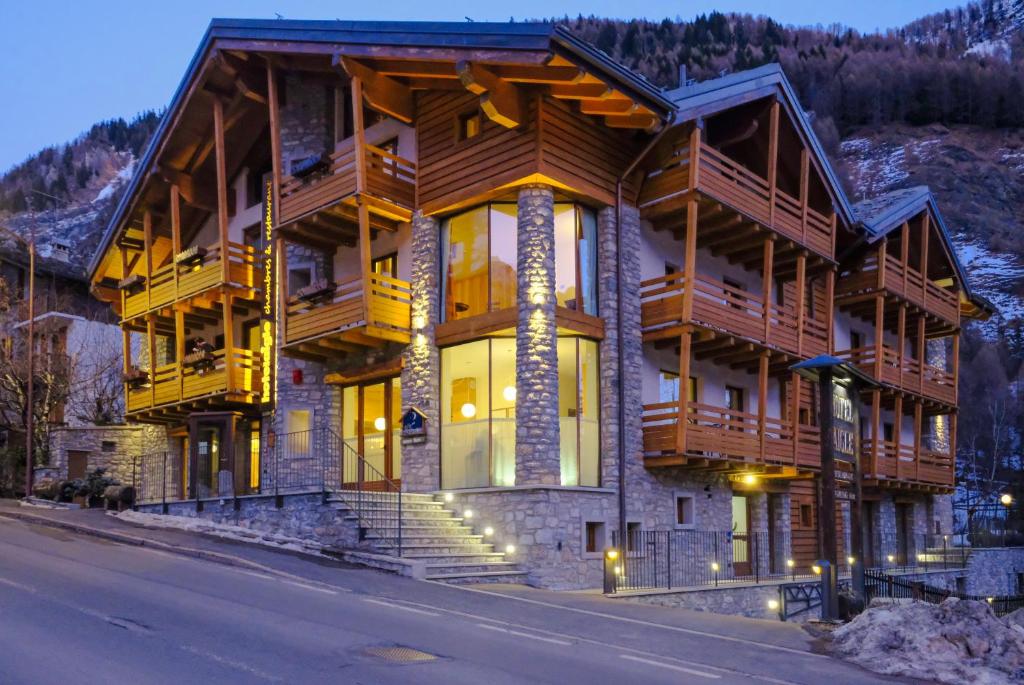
x,y
621,329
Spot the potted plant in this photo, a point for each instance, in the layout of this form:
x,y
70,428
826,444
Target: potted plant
x,y
190,256
136,378
94,486
132,284
315,291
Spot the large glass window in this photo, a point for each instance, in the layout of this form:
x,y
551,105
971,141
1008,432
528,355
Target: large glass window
x,y
576,258
478,417
579,411
479,261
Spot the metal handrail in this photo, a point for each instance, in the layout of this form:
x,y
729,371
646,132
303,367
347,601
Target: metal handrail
x,y
357,475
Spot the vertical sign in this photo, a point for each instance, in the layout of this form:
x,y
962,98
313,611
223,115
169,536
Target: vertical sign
x,y
267,314
844,438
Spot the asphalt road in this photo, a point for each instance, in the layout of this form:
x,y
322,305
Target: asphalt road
x,y
80,609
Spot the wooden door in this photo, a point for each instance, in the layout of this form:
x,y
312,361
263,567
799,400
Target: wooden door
x,y
371,417
78,464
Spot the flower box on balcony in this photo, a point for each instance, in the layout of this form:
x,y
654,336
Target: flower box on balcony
x,y
136,378
315,292
190,256
132,283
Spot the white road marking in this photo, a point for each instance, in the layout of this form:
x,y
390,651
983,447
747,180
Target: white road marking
x,y
19,586
257,574
527,635
237,665
403,608
637,621
305,586
662,664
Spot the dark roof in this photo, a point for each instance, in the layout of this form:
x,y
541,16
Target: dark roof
x,y
45,266
707,97
810,368
531,36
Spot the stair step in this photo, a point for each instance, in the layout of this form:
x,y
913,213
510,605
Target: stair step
x,y
462,557
454,568
510,576
442,550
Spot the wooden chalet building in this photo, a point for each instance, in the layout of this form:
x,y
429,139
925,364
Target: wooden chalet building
x,y
574,287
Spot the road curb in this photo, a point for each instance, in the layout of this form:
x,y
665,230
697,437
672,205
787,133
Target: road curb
x,y
208,555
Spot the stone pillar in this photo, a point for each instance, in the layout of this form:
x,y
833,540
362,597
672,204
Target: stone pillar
x,y
537,439
885,525
421,460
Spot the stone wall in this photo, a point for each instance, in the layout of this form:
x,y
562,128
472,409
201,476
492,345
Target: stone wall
x,y
301,516
751,601
995,572
110,447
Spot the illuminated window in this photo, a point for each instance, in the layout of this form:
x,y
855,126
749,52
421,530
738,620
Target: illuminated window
x,y
386,265
579,412
478,414
479,261
576,258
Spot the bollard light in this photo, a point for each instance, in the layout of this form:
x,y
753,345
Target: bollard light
x,y
816,569
714,566
612,554
773,604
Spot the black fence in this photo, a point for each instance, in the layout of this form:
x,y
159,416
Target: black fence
x,y
313,461
894,587
666,559
918,552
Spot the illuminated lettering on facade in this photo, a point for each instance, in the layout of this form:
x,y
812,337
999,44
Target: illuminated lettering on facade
x,y
269,297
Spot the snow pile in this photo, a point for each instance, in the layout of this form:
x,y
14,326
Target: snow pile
x,y
221,530
953,642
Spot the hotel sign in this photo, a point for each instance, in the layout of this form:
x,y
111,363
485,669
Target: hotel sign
x,y
268,321
845,423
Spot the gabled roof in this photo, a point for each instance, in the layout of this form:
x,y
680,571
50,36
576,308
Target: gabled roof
x,y
715,95
880,215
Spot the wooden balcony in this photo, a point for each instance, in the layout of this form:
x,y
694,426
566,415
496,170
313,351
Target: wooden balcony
x,y
904,465
188,276
386,181
735,186
933,383
173,390
723,308
717,434
899,281
348,313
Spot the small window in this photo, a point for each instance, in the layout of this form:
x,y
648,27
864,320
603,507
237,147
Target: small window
x,y
806,516
685,517
108,446
856,340
595,537
469,125
671,268
386,265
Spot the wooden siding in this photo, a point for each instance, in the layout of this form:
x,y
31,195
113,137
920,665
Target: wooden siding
x,y
804,493
175,383
904,282
343,309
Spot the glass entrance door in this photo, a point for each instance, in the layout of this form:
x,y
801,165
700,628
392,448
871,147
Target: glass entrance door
x,y
371,416
208,460
741,536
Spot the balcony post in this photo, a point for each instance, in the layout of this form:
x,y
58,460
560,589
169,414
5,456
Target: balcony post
x,y
126,362
830,287
147,253
766,284
922,348
695,154
794,414
956,367
175,232
358,133
917,439
952,447
879,335
773,159
762,403
925,230
901,336
690,260
222,186
179,348
897,432
876,420
883,253
229,340
151,341
685,347
805,174
801,305
905,254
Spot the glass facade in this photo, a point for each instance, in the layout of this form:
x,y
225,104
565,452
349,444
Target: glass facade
x,y
579,411
576,258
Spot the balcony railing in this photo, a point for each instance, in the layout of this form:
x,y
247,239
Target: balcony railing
x,y
903,281
935,383
191,273
388,177
177,382
340,308
720,433
734,185
723,307
905,462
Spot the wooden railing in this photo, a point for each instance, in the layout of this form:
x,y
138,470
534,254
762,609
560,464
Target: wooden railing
x,y
904,281
736,186
341,308
906,462
387,176
723,307
178,382
717,432
936,383
178,281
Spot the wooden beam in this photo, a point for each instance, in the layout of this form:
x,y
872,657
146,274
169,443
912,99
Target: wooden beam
x,y
690,259
762,402
685,341
582,91
501,101
359,133
879,335
766,285
364,261
800,304
222,187
773,159
382,93
603,107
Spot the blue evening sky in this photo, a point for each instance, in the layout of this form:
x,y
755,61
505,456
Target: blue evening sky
x,y
71,64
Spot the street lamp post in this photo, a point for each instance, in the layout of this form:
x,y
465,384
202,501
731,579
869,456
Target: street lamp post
x,y
30,353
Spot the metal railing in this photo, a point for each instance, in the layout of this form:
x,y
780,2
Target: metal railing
x,y
918,552
666,559
885,585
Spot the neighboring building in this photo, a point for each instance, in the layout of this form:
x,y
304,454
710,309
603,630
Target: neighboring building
x,y
497,226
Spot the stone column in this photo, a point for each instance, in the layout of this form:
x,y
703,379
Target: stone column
x,y
885,525
537,439
421,460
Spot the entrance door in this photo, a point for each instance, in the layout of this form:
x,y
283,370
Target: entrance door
x,y
371,417
741,558
211,441
78,464
208,443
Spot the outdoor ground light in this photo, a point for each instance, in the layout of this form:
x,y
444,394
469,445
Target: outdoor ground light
x,y
790,563
467,514
816,569
890,558
612,554
448,497
850,560
714,566
1006,499
510,549
773,604
488,531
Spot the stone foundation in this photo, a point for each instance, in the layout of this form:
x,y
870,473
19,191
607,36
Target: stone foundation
x,y
109,447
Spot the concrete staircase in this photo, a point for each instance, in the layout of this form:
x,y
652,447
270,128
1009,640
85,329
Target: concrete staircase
x,y
446,546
